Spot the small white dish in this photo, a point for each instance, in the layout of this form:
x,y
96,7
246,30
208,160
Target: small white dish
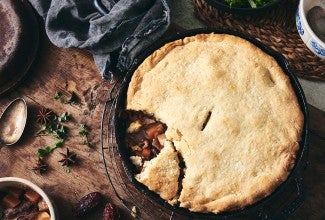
x,y
311,40
19,182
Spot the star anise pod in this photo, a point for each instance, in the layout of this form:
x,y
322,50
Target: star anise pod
x,y
44,115
69,158
41,167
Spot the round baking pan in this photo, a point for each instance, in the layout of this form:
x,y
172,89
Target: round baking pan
x,y
18,42
258,209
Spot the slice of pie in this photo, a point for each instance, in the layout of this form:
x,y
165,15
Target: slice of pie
x,y
231,114
161,173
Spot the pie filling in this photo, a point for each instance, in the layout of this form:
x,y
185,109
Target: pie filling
x,y
145,137
157,164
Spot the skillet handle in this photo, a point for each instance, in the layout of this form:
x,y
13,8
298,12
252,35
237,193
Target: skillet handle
x,y
286,210
297,202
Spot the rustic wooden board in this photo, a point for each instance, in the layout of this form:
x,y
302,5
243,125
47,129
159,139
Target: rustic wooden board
x,y
71,69
60,70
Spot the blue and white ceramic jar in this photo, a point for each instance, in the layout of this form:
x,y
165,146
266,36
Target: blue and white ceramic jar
x,y
312,41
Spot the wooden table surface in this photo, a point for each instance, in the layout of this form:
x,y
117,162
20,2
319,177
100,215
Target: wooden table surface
x,y
66,70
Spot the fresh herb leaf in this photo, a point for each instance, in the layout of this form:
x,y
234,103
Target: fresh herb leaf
x,y
55,129
83,130
42,131
64,117
42,152
236,3
58,143
60,132
248,3
57,95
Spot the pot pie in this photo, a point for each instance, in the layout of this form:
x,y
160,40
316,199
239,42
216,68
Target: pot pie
x,y
213,123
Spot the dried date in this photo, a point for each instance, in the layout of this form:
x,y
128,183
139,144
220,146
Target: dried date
x,y
87,203
110,212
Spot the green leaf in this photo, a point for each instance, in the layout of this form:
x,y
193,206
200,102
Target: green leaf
x,y
83,130
55,129
57,95
42,152
248,3
64,117
42,131
59,143
252,3
60,132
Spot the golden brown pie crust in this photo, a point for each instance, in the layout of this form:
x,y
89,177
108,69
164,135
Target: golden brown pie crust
x,y
231,114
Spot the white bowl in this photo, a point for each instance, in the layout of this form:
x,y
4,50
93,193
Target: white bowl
x,y
307,35
19,182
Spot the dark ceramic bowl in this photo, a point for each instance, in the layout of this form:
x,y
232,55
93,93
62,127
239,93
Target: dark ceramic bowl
x,y
19,42
222,5
260,209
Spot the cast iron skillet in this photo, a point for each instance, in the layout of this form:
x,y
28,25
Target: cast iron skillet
x,y
256,210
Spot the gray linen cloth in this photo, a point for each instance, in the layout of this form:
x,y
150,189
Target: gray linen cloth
x,y
115,39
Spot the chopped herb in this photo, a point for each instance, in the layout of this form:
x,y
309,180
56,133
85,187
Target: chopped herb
x,y
57,130
61,132
67,170
45,130
248,3
57,95
58,143
83,132
42,152
54,128
64,117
